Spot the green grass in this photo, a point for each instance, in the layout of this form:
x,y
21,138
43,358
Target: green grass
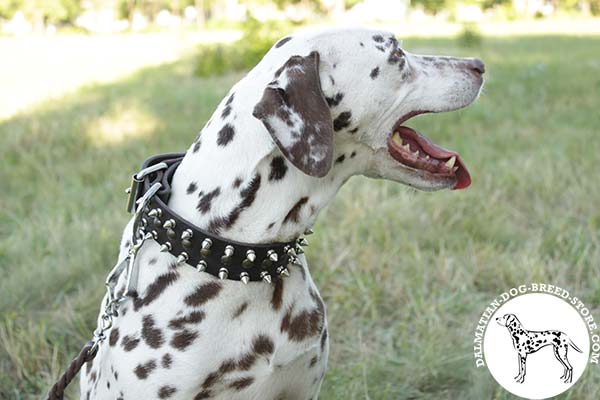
x,y
405,274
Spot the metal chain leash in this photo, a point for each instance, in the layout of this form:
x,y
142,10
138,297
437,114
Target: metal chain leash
x,y
128,265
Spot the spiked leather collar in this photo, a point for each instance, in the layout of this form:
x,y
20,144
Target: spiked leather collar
x,y
223,258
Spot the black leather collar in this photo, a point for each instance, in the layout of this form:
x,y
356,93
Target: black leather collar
x,y
223,258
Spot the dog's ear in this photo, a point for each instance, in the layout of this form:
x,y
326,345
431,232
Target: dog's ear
x,y
294,111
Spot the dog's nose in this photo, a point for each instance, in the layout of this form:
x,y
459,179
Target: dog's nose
x,y
477,65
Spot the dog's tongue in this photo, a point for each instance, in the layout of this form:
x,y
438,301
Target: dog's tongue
x,y
462,174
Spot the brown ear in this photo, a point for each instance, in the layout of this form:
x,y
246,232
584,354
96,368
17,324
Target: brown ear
x,y
295,112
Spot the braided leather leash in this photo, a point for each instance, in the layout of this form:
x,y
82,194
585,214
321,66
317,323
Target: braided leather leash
x,y
87,353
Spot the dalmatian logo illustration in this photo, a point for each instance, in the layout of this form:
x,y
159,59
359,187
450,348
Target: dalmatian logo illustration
x,y
527,342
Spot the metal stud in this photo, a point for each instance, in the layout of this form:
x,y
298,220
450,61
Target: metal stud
x,y
206,244
165,247
187,234
309,231
155,212
272,255
181,258
202,265
281,270
223,273
154,235
171,234
299,250
291,252
245,278
169,224
228,251
303,242
144,222
265,276
186,243
251,255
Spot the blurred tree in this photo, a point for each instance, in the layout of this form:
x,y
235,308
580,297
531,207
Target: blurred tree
x,y
42,12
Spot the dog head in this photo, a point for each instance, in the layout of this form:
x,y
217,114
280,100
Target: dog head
x,y
508,320
355,89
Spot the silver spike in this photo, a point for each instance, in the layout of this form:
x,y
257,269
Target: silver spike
x,y
201,267
291,252
266,277
154,235
245,278
251,255
223,273
170,223
272,255
187,234
206,243
165,247
283,271
181,258
303,242
309,231
155,212
228,251
299,250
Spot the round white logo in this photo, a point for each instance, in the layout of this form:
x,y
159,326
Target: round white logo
x,y
536,345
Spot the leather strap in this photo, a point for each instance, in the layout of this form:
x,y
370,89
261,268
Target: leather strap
x,y
223,258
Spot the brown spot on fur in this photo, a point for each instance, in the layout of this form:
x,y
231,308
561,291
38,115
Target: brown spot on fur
x,y
247,361
248,195
294,214
241,383
183,339
225,135
305,324
323,339
283,41
192,187
240,310
342,121
263,345
374,73
167,360
114,336
203,293
277,297
151,335
155,289
143,370
205,394
205,201
166,391
278,169
194,317
129,342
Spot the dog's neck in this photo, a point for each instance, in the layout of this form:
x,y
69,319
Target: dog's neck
x,y
237,185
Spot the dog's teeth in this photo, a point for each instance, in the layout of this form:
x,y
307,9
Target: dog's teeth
x,y
426,157
454,169
406,147
450,162
416,153
397,139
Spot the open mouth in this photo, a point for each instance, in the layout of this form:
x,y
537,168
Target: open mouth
x,y
414,150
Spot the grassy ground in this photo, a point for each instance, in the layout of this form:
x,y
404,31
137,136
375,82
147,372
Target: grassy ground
x,y
405,275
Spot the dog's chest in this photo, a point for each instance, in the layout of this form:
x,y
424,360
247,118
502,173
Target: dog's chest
x,y
189,335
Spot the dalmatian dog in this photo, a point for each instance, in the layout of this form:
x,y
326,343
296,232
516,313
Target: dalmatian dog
x,y
319,108
528,342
